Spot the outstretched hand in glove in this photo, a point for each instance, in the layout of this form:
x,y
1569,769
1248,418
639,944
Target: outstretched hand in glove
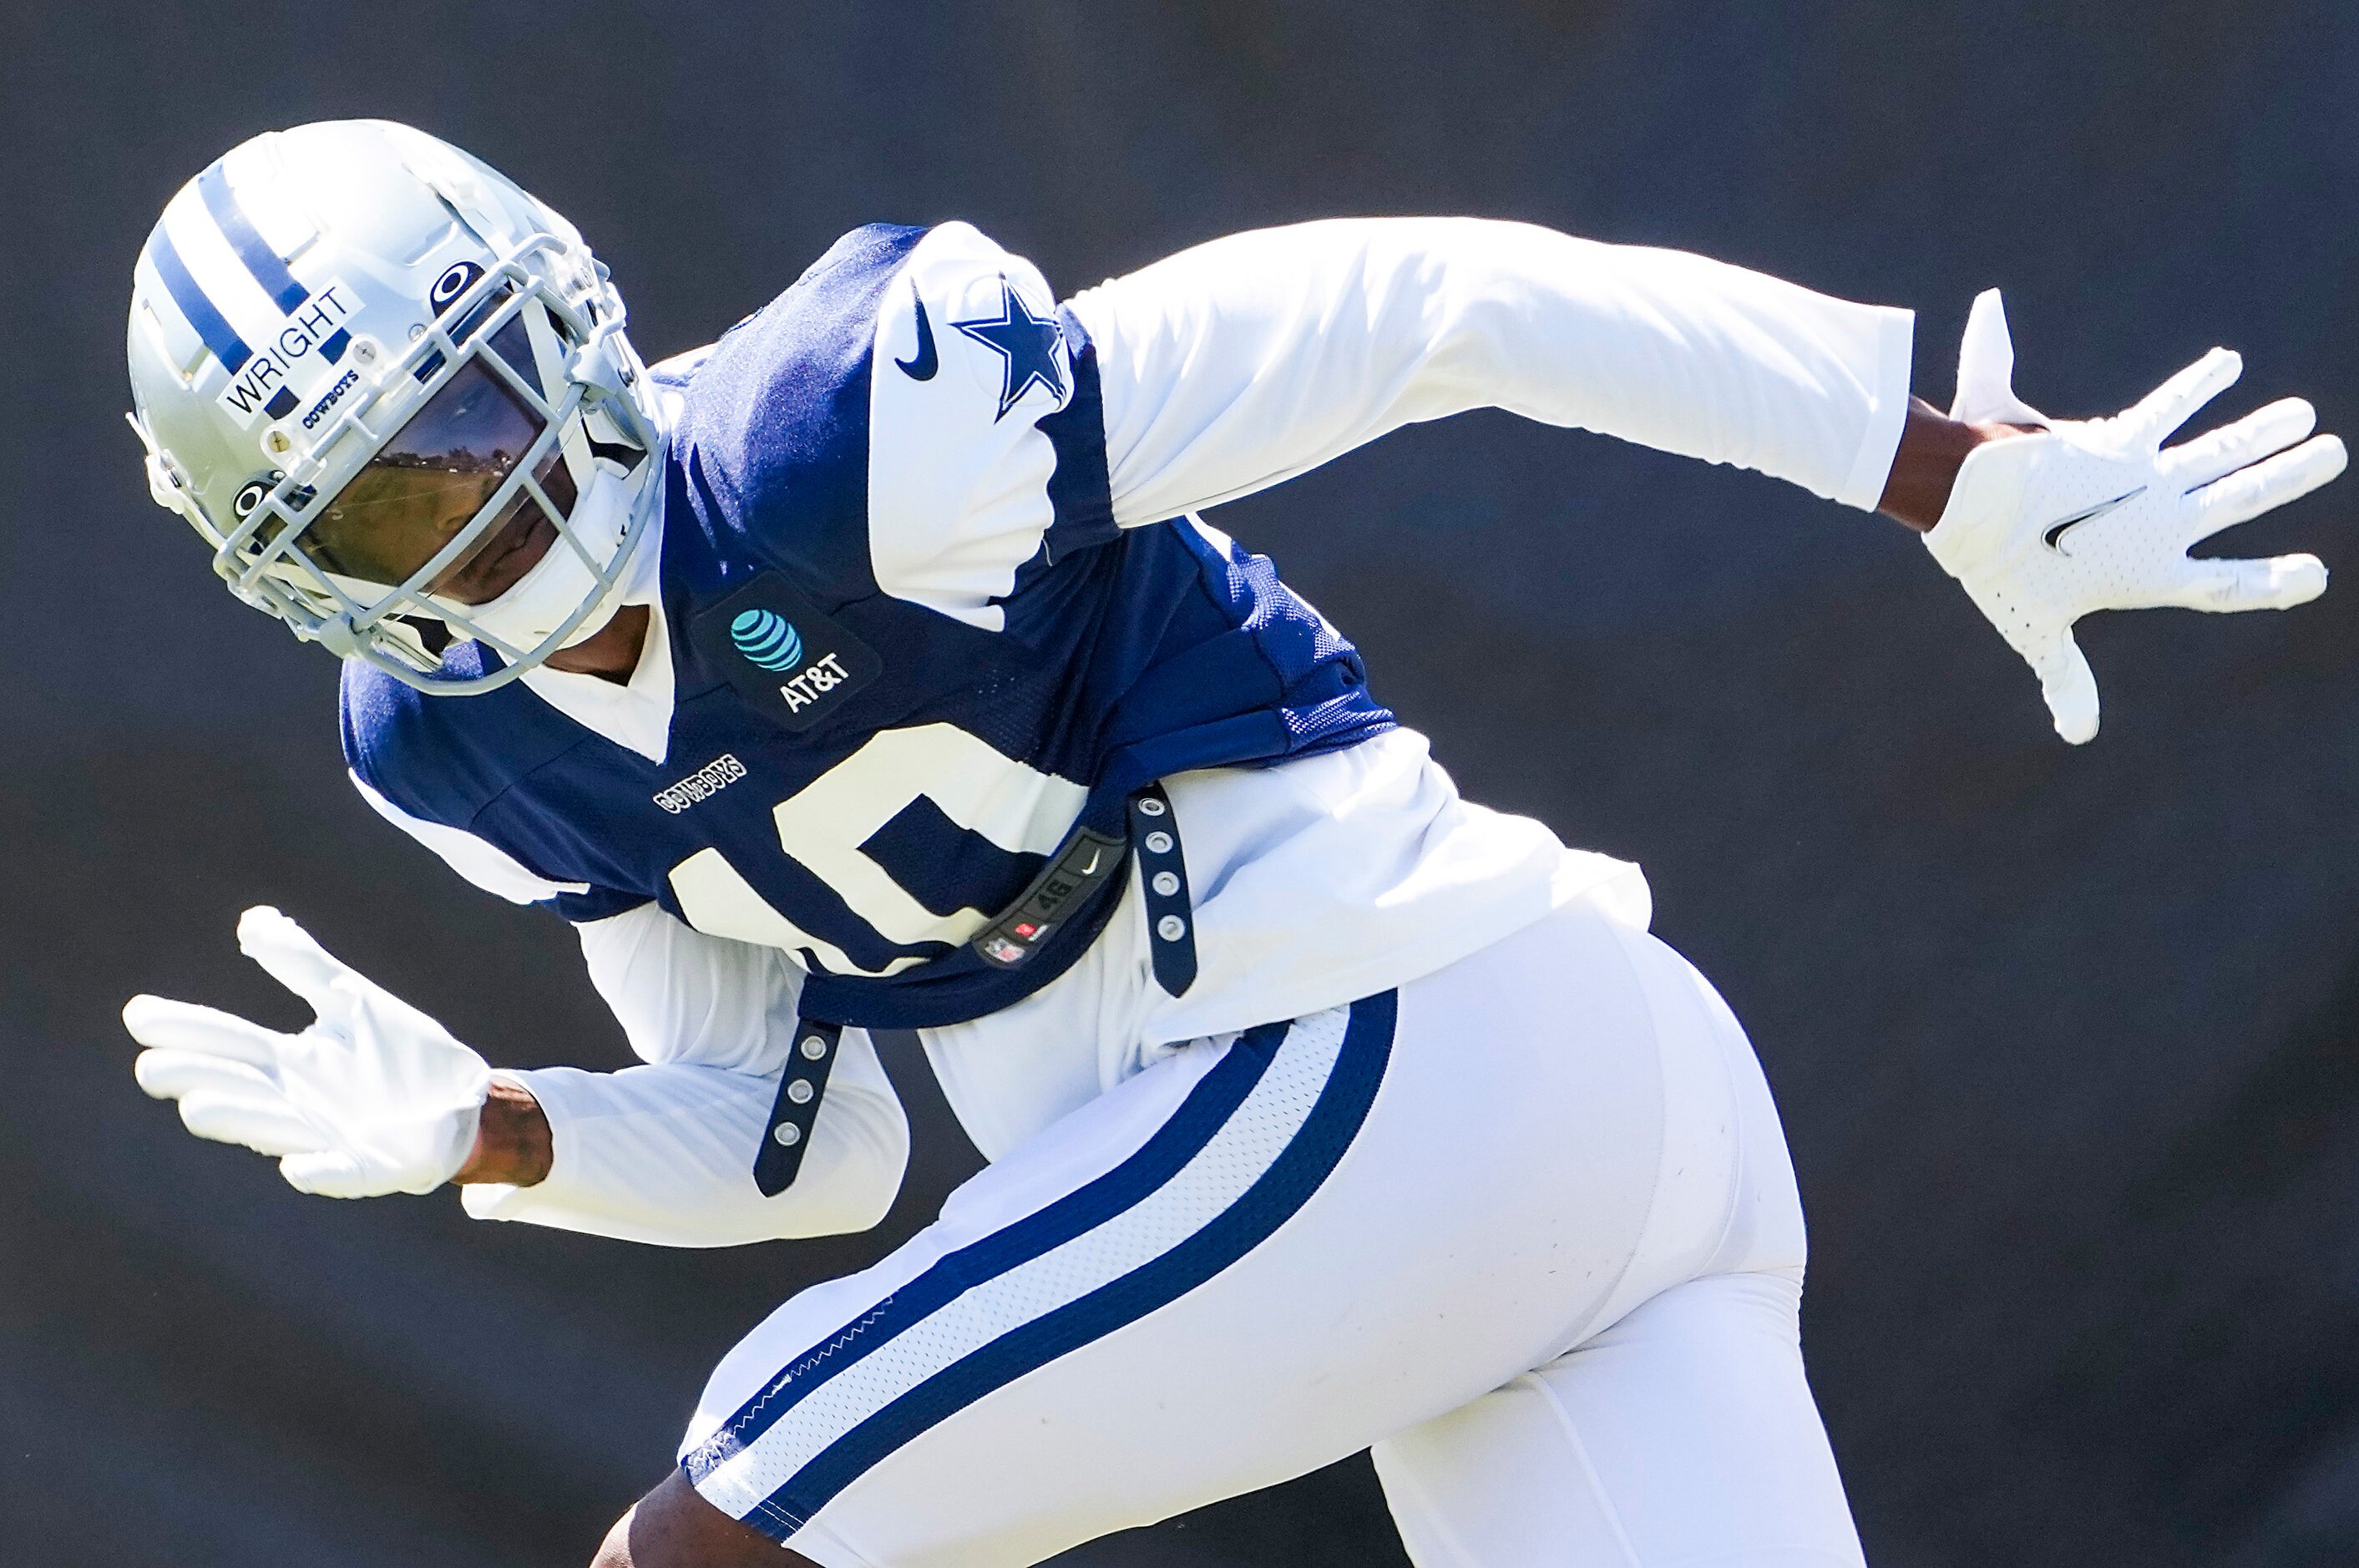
x,y
375,1097
2081,515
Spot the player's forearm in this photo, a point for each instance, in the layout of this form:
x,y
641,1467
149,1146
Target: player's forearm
x,y
1932,448
665,1154
513,1145
1245,360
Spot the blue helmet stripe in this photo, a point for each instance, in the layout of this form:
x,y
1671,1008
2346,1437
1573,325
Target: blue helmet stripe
x,y
211,326
263,263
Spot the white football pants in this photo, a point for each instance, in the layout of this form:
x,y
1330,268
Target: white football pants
x,y
1527,1226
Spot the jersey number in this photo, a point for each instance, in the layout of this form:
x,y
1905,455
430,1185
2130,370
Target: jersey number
x,y
822,826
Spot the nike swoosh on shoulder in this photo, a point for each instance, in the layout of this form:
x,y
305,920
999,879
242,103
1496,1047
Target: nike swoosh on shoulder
x,y
922,368
2054,536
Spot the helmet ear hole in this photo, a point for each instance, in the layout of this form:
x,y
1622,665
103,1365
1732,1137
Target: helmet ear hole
x,y
250,493
455,281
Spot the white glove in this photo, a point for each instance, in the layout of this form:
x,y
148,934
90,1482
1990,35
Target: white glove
x,y
2096,515
375,1097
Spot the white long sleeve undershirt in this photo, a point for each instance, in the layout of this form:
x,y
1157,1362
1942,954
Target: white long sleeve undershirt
x,y
1250,359
1224,370
664,1153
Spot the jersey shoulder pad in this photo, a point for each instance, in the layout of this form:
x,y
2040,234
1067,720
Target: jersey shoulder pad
x,y
771,445
987,438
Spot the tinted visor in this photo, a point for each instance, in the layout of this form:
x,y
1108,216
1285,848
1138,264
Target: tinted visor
x,y
431,480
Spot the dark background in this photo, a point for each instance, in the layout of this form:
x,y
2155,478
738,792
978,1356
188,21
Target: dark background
x,y
2065,1040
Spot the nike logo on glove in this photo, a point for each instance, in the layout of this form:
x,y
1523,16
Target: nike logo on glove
x,y
2054,536
922,368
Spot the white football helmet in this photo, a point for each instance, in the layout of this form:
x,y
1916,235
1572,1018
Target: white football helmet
x,y
368,369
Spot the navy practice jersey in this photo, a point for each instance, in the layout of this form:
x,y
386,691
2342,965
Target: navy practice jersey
x,y
867,760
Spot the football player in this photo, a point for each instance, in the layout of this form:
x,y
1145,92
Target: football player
x,y
875,667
